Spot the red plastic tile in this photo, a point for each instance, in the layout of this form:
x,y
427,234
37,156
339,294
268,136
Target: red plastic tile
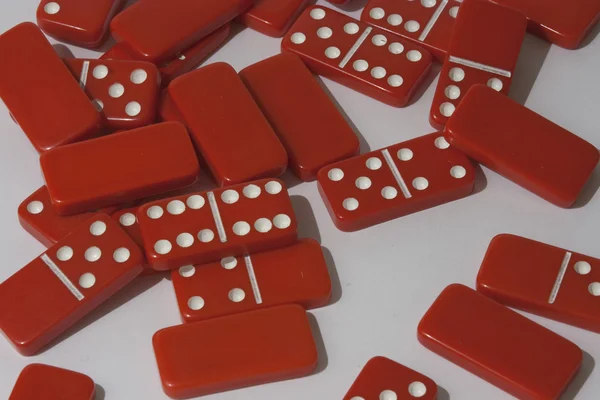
x,y
39,381
273,17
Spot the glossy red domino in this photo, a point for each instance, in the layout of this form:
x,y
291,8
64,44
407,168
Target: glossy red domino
x,y
495,343
382,378
227,127
352,53
296,274
158,30
183,62
389,183
46,102
125,92
208,226
484,49
39,219
39,381
287,93
78,22
73,277
230,352
273,17
428,23
556,171
542,279
563,23
134,164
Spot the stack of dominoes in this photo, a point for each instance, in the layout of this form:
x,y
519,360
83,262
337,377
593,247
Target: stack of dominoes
x,y
122,140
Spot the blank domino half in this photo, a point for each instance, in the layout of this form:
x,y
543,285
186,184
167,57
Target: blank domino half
x,y
295,274
231,352
203,227
484,49
273,17
389,183
39,381
366,59
499,345
556,171
384,379
542,279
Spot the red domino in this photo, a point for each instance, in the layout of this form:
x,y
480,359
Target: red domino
x,y
208,226
134,164
484,49
70,279
563,23
495,343
78,22
39,381
158,30
352,53
428,23
384,379
227,127
273,17
542,279
39,219
556,171
296,274
231,352
392,182
308,123
125,92
40,92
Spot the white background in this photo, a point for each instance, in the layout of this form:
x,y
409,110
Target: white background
x,y
385,277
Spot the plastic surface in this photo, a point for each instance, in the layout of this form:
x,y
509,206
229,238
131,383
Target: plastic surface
x,y
389,183
366,59
495,343
310,126
523,146
273,17
46,102
212,356
542,279
203,227
134,164
57,289
382,378
296,274
125,92
227,127
484,48
39,381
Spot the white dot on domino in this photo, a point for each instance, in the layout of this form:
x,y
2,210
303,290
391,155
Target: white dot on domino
x,y
187,271
35,207
417,389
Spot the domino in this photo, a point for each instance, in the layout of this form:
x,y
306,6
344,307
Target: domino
x,y
156,31
39,219
556,171
78,22
542,279
309,125
498,345
40,381
134,164
273,17
125,92
565,24
483,49
231,352
46,102
428,23
395,181
227,126
209,226
354,54
65,283
384,379
296,274
183,62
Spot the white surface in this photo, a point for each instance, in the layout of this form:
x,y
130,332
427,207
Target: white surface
x,y
387,276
